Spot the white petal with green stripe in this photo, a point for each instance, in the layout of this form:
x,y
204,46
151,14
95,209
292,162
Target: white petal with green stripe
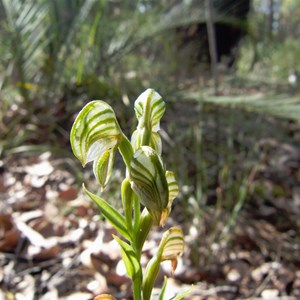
x,y
170,248
172,244
148,181
103,165
149,108
173,192
155,140
94,131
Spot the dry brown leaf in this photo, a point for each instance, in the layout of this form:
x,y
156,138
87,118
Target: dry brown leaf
x,y
3,187
41,254
9,234
68,194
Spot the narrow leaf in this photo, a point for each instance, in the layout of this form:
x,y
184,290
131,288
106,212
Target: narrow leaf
x,y
183,294
115,218
163,289
131,262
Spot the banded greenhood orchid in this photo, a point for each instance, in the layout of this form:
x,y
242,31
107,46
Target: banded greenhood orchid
x,y
155,187
95,136
170,248
173,192
149,109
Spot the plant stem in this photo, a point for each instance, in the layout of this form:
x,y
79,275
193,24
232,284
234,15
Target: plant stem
x,y
137,288
141,232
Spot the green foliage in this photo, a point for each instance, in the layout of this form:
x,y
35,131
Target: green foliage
x,y
112,215
271,51
94,134
283,106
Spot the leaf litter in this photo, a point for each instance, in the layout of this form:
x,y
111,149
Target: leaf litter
x,y
53,244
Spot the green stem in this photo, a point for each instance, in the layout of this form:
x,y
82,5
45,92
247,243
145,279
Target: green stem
x,y
142,232
151,273
137,287
146,137
137,213
127,200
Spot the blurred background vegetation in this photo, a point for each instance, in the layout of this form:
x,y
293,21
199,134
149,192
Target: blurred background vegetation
x,y
223,133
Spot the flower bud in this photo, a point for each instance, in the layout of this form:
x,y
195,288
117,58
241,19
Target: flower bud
x,y
94,131
148,181
149,108
173,192
103,166
95,136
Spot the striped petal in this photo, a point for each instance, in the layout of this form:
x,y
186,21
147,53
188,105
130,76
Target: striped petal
x,y
170,248
155,140
148,181
172,244
94,131
149,108
173,192
103,166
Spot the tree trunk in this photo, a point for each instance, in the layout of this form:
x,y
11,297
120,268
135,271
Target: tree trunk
x,y
270,19
212,43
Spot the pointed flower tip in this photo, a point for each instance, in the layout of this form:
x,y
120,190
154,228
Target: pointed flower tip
x,y
174,263
163,218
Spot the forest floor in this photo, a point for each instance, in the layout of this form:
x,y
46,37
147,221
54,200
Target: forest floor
x,y
54,245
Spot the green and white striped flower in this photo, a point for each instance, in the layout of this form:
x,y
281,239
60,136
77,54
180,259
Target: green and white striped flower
x,y
148,181
155,187
149,108
172,244
173,192
155,140
103,166
95,136
170,248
